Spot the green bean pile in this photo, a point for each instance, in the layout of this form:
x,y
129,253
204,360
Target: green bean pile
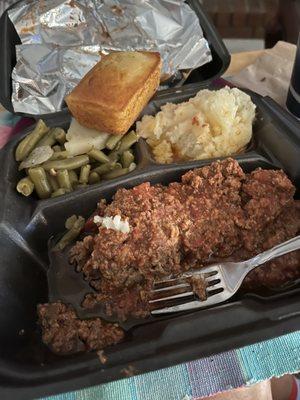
x,y
62,173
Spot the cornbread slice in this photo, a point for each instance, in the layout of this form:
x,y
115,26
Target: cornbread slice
x,y
111,96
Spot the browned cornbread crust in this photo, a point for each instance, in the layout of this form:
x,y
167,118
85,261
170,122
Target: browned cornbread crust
x,y
111,96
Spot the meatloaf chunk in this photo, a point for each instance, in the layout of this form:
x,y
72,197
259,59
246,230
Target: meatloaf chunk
x,y
64,333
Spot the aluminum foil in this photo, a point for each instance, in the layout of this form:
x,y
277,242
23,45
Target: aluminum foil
x,y
63,40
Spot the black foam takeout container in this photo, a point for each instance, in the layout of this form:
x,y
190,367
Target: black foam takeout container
x,y
9,39
29,370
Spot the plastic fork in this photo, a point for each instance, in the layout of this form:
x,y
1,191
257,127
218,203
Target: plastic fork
x,y
222,282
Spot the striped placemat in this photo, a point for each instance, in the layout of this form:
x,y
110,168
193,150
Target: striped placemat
x,y
194,380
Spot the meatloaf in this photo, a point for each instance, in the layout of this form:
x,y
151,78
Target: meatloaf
x,y
216,212
64,333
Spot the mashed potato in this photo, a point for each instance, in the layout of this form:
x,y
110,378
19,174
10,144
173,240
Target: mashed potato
x,y
214,123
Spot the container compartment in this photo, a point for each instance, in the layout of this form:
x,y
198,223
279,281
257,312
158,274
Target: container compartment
x,y
276,133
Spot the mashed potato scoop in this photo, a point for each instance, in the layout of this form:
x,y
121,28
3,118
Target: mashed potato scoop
x,y
214,123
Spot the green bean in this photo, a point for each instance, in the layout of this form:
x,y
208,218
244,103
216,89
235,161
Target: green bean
x,y
68,163
84,173
112,141
132,167
30,141
115,173
58,192
94,178
98,155
59,155
73,178
104,168
71,234
113,156
56,148
60,135
63,179
53,182
92,160
41,183
70,222
127,141
49,139
127,158
25,186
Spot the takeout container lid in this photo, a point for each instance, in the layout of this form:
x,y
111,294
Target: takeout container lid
x,y
206,73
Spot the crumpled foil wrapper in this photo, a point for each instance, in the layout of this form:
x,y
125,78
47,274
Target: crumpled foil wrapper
x,y
63,39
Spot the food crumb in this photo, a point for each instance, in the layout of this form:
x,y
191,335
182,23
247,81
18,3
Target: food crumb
x,y
97,220
199,286
129,371
21,332
117,10
195,121
102,357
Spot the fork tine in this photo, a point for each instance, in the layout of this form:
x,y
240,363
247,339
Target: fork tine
x,y
210,269
162,288
212,278
192,305
169,288
174,297
169,282
214,287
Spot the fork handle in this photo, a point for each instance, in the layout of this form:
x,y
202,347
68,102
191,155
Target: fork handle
x,y
277,251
